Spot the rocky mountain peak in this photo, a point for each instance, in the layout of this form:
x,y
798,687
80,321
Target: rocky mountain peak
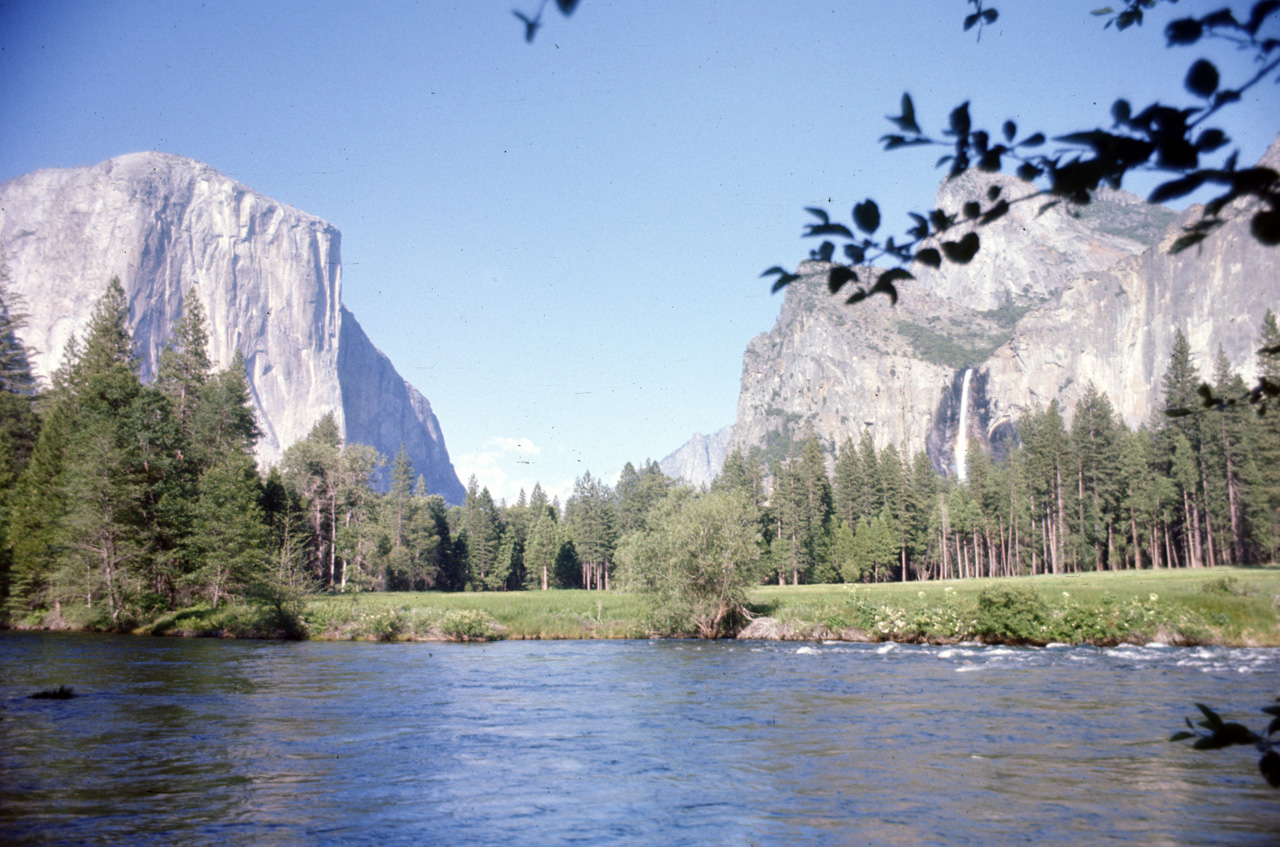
x,y
269,277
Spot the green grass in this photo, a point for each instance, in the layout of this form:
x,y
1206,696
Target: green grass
x,y
1222,606
512,614
1232,606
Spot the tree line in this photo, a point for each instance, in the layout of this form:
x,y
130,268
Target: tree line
x,y
120,501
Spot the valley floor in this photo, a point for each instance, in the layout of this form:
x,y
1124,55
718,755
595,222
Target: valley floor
x,y
1221,606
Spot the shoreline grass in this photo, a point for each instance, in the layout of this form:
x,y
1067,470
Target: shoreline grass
x,y
1219,606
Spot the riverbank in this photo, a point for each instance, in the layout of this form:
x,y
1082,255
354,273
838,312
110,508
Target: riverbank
x,y
1238,607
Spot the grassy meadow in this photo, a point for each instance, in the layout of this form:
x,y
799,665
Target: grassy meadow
x,y
1232,606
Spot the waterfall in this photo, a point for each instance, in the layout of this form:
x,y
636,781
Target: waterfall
x,y
962,437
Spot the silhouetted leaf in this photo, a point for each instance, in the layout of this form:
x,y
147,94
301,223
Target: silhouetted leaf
x,y
784,279
1211,718
1028,171
971,20
838,276
961,252
824,252
1265,227
907,120
820,214
1269,764
921,229
1202,78
567,6
1033,140
1221,18
855,253
993,192
1010,130
866,216
1273,726
972,209
929,256
1181,735
1176,413
1183,31
1175,188
1105,10
1270,351
1121,111
1225,96
959,121
990,15
1210,140
1259,13
893,142
1188,239
996,212
1046,207
884,284
990,160
827,229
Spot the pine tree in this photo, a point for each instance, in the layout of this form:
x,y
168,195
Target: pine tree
x,y
229,537
482,536
592,520
184,365
1095,445
638,493
19,425
1267,447
312,469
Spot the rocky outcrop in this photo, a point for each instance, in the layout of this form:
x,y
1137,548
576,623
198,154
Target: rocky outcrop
x,y
699,460
268,276
1054,300
1115,328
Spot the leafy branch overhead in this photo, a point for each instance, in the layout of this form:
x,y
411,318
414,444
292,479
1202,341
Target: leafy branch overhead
x,y
1158,138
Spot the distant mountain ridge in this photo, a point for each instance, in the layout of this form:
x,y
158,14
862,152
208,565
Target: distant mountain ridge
x,y
699,460
269,278
1053,301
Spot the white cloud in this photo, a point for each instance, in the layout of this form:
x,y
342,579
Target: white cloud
x,y
506,466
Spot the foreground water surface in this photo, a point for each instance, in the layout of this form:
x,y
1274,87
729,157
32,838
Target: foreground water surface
x,y
623,743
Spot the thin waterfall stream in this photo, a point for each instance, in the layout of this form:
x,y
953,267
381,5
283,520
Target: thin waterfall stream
x,y
962,437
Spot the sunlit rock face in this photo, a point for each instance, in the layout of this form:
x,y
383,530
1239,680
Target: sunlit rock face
x,y
700,459
1054,300
1115,328
269,278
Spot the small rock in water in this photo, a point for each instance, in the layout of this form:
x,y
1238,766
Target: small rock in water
x,y
62,692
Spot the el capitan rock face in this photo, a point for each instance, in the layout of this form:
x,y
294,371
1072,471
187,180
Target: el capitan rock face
x,y
1051,303
269,278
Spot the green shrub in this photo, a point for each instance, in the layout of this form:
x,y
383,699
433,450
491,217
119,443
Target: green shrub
x,y
1009,613
468,625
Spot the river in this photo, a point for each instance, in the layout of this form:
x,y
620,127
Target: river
x,y
176,742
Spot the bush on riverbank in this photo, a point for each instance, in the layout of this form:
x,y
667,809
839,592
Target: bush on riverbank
x,y
1222,605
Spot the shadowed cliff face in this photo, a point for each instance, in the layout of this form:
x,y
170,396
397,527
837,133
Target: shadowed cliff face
x,y
269,278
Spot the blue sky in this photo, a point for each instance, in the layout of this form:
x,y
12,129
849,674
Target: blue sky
x,y
559,243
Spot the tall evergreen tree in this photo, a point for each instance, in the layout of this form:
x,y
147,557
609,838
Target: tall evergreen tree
x,y
592,520
1267,447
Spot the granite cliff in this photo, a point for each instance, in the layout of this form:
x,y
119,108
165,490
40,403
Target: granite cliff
x,y
699,460
269,278
1052,302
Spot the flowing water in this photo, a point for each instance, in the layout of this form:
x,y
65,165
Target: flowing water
x,y
962,430
179,742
